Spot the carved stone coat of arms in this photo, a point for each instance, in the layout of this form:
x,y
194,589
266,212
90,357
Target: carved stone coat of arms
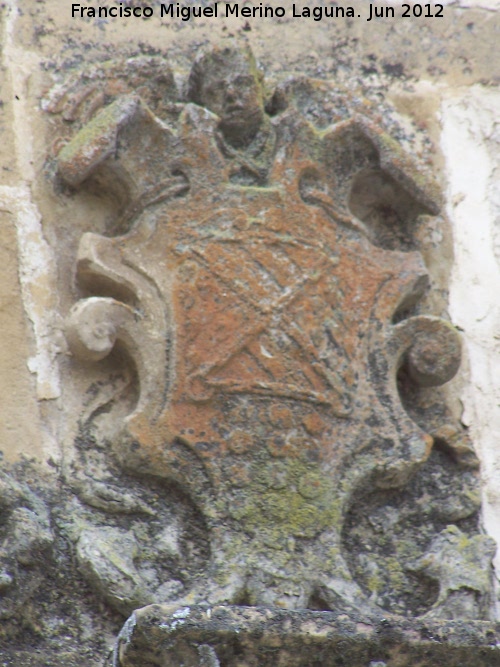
x,y
264,286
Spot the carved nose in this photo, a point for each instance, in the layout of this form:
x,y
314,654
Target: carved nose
x,y
230,93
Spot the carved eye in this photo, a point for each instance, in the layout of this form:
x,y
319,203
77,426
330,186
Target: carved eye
x,y
209,90
243,81
213,96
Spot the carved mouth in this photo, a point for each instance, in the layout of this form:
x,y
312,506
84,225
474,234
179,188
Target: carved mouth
x,y
234,108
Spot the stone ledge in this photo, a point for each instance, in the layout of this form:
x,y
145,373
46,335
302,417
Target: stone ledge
x,y
225,636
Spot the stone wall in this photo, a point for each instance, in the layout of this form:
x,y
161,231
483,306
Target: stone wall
x,y
432,82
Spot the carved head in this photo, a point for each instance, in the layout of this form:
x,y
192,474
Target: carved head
x,y
226,81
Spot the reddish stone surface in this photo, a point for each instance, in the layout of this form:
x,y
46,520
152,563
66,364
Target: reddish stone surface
x,y
267,324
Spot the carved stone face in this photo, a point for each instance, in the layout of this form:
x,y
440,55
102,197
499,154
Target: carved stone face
x,y
231,89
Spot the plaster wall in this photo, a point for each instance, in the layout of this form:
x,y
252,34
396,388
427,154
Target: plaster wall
x,y
470,143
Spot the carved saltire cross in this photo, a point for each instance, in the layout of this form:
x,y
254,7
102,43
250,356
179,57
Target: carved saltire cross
x,y
267,331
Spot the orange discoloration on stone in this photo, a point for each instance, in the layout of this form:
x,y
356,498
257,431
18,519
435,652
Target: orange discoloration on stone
x,y
268,311
313,423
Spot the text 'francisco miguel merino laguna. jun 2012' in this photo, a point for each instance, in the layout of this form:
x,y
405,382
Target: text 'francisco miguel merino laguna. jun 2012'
x,y
237,10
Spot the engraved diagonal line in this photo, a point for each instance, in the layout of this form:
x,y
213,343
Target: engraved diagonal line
x,y
277,305
259,363
264,270
266,312
315,362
